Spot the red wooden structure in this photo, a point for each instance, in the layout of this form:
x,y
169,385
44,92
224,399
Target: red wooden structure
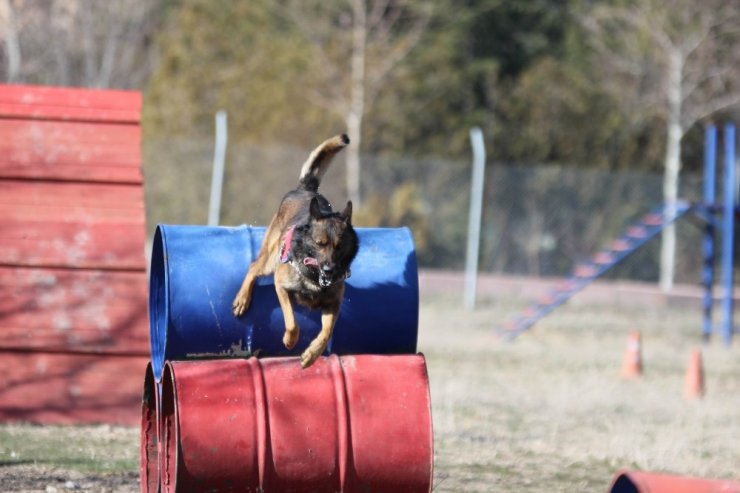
x,y
73,307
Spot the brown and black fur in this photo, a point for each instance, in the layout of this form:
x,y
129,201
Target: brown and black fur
x,y
320,234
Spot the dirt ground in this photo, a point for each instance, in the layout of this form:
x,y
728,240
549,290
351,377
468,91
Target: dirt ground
x,y
37,478
56,459
547,412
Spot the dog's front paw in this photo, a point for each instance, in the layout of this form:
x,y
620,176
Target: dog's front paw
x,y
240,305
290,338
311,354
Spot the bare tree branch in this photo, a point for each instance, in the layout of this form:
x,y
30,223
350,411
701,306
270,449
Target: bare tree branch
x,y
399,52
375,16
722,103
84,42
108,56
296,16
356,57
12,44
380,31
55,18
692,76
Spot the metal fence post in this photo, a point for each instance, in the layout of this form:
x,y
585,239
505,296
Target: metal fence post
x,y
476,208
728,231
217,179
710,197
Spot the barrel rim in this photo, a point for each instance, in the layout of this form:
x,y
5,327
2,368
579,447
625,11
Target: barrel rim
x,y
169,449
431,418
149,435
159,306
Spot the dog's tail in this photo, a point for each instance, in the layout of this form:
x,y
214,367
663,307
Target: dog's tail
x,y
318,162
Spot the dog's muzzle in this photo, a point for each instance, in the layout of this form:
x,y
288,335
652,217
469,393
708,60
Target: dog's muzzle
x,y
326,276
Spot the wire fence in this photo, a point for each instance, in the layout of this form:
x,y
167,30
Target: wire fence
x,y
537,220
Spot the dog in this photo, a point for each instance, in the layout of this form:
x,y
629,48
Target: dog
x,y
309,248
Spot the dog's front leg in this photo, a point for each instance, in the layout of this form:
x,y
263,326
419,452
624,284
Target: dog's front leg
x,y
244,296
262,266
292,331
329,316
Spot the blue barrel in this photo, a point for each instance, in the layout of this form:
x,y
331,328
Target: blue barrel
x,y
196,272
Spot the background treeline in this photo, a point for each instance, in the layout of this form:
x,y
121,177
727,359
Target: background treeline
x,y
522,71
572,96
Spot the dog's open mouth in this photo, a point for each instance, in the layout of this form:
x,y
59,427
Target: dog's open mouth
x,y
325,281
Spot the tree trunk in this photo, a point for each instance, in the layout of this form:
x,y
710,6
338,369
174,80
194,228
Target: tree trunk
x,y
672,168
357,100
354,129
12,46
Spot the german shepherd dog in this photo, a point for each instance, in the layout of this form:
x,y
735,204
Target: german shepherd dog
x,y
309,248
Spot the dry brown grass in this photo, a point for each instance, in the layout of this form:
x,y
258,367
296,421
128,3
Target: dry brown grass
x,y
549,412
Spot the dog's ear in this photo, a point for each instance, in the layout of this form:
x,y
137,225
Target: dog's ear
x,y
347,213
314,209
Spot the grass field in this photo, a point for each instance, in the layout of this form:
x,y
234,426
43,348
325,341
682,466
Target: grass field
x,y
548,412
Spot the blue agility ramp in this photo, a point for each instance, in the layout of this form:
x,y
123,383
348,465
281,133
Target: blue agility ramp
x,y
196,271
634,237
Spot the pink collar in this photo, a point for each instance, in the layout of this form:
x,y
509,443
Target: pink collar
x,y
285,250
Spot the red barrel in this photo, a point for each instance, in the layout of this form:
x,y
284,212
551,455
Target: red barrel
x,y
351,423
648,482
148,453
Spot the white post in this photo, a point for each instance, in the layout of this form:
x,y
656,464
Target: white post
x,y
476,208
217,178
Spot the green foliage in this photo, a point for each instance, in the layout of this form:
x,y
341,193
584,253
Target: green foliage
x,y
237,56
404,207
522,71
556,114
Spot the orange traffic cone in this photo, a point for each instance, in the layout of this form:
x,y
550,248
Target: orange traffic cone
x,y
693,387
632,364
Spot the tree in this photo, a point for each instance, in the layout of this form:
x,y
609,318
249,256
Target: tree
x,y
12,45
680,59
79,42
354,47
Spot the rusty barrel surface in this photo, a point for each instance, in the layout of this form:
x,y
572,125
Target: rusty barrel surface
x,y
347,423
149,439
648,482
197,270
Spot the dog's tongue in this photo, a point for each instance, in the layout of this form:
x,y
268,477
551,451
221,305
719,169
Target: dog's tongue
x,y
310,261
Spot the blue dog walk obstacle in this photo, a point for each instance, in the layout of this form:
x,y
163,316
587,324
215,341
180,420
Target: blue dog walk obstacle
x,y
717,217
635,236
197,270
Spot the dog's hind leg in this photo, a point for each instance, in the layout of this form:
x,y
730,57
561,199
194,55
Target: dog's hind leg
x,y
329,316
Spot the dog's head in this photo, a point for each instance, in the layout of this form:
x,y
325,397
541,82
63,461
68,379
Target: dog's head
x,y
327,244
